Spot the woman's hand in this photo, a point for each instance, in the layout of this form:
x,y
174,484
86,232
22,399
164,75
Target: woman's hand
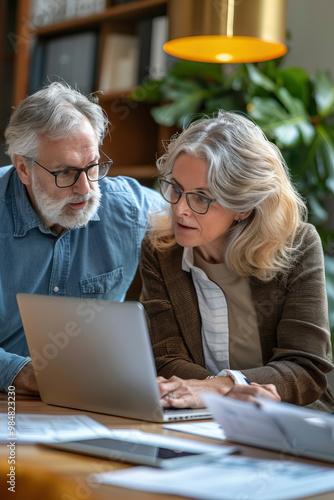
x,y
179,393
252,392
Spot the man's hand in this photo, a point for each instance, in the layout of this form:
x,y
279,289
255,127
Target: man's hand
x,y
25,381
179,393
251,392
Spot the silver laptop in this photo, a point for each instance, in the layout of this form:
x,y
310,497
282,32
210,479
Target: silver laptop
x,y
96,356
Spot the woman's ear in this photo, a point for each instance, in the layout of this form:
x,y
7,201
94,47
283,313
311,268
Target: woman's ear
x,y
242,215
23,169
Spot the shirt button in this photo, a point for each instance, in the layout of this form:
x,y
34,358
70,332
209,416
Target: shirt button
x,y
56,289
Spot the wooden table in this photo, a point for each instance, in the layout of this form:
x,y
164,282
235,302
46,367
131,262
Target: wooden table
x,y
43,474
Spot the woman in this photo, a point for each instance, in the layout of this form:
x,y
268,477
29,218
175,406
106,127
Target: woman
x,y
233,278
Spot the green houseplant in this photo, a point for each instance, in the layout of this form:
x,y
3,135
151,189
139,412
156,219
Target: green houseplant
x,y
294,109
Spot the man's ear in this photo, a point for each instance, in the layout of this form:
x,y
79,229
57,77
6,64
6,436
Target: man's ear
x,y
23,169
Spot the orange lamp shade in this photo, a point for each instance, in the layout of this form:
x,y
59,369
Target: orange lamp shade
x,y
223,49
227,31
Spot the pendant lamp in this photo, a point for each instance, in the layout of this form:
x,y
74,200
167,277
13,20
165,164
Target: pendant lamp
x,y
227,31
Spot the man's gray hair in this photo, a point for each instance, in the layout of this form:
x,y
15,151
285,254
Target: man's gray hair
x,y
56,111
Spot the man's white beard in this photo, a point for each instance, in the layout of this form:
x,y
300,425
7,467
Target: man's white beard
x,y
59,212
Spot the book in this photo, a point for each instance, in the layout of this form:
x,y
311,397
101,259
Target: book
x,y
69,58
43,13
120,2
119,62
154,62
158,57
36,68
144,32
81,8
277,426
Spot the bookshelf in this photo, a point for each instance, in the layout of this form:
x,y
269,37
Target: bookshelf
x,y
7,59
134,136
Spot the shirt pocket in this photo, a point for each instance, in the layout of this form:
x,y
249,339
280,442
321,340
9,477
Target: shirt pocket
x,y
102,286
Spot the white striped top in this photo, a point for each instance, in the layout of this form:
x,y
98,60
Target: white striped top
x,y
245,349
214,315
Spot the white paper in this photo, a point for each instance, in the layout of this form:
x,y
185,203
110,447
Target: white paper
x,y
309,432
205,429
233,477
279,426
35,428
244,422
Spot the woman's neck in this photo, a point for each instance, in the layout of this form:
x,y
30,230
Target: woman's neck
x,y
210,256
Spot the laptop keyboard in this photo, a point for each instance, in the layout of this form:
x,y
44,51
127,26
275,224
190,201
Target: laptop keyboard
x,y
185,414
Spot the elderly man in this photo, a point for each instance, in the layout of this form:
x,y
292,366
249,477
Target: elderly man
x,y
66,229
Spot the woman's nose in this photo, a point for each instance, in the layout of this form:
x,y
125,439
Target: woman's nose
x,y
182,207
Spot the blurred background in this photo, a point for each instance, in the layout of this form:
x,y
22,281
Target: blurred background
x,y
23,23
116,46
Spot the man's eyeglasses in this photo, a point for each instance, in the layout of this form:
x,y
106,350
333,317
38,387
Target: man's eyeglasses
x,y
197,202
68,176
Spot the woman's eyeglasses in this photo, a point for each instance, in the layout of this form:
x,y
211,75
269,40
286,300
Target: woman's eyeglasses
x,y
197,202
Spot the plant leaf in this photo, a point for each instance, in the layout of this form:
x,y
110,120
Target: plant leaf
x,y
317,214
329,272
194,69
275,121
173,89
177,112
287,124
287,135
259,79
148,92
326,147
227,102
307,131
323,93
296,81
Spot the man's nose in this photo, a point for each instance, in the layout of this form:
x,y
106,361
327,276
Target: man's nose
x,y
82,185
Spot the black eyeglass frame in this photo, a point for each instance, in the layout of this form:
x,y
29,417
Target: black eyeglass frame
x,y
78,171
181,193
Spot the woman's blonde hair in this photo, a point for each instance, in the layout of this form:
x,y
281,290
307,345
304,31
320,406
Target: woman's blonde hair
x,y
245,172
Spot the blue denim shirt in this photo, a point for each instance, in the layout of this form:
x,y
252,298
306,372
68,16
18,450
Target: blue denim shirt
x,y
98,261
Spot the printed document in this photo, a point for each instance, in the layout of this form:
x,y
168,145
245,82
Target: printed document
x,y
278,426
229,478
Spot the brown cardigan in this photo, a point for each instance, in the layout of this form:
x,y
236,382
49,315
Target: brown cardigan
x,y
292,319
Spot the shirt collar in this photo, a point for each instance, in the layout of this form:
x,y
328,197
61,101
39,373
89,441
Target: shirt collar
x,y
187,259
189,266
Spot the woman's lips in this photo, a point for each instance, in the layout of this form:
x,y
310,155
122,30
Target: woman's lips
x,y
181,227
